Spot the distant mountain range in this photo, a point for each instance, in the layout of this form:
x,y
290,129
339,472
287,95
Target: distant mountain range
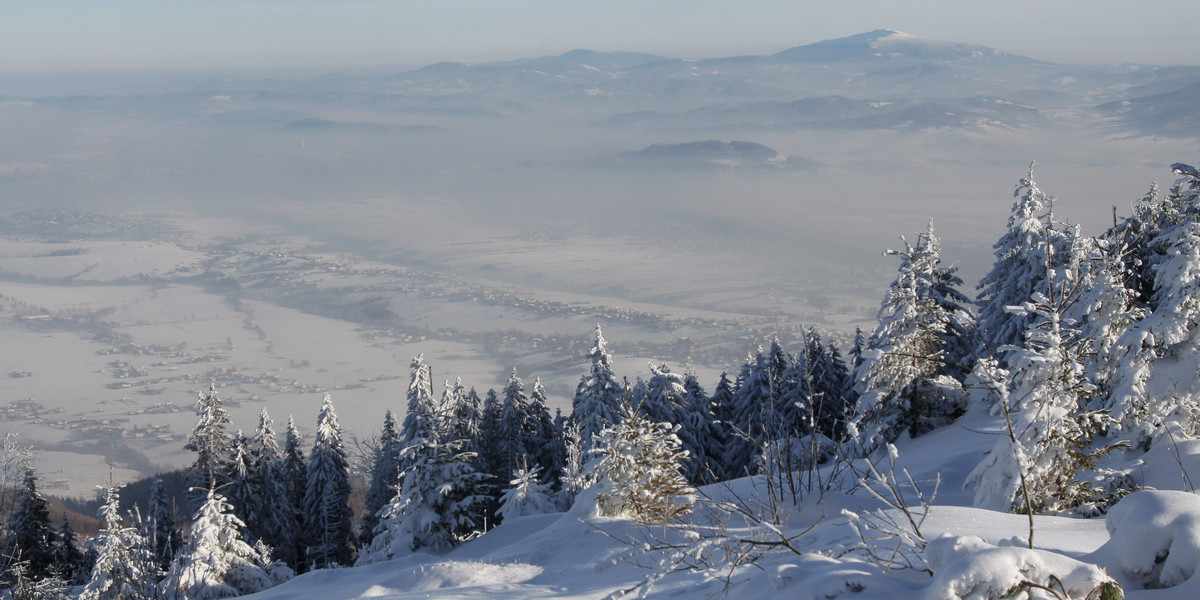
x,y
879,79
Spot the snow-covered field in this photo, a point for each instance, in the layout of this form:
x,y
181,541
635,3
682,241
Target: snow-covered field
x,y
108,342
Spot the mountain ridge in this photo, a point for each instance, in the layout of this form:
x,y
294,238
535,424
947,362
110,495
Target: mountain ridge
x,y
890,43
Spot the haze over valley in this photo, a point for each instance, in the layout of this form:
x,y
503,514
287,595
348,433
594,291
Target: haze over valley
x,y
284,236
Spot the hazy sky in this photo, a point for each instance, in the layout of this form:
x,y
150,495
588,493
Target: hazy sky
x,y
122,34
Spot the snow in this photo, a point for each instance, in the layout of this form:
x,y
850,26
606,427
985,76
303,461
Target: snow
x,y
77,475
94,261
1155,538
414,577
974,553
968,567
1149,540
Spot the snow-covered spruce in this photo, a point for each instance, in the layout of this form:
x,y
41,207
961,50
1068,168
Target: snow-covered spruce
x,y
216,562
327,513
598,394
902,381
294,469
385,476
1020,267
125,567
1171,333
212,443
439,499
1049,432
514,428
31,539
165,539
545,437
527,496
276,526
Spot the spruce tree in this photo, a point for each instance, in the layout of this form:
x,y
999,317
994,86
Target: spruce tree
x,y
212,444
295,477
1019,270
721,404
276,524
327,513
514,429
668,400
489,458
856,350
385,476
794,410
707,436
575,476
216,562
420,398
31,537
468,413
902,383
526,496
1035,467
165,539
544,439
751,412
122,556
1136,233
439,503
640,472
1142,232
1105,309
830,379
663,395
468,416
420,402
1169,332
242,486
598,394
72,563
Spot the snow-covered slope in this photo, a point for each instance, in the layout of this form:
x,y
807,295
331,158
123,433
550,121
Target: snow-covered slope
x,y
889,43
1150,539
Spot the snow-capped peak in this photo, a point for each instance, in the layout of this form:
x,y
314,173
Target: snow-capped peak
x,y
884,43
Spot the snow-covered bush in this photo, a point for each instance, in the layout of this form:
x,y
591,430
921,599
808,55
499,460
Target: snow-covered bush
x,y
22,587
968,568
639,474
1154,538
576,476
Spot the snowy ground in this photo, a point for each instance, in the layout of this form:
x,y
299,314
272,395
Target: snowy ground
x,y
973,553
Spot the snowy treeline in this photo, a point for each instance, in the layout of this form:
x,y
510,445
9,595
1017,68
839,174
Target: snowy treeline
x,y
1084,345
